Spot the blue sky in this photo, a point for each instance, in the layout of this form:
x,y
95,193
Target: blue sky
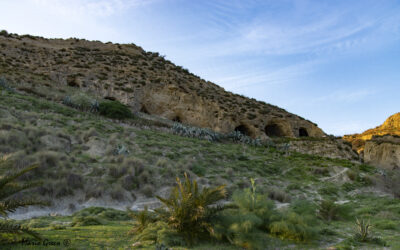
x,y
336,63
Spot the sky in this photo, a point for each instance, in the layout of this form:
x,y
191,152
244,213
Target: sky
x,y
336,63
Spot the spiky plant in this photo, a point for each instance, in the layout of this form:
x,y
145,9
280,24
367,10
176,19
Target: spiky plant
x,y
188,209
8,203
363,230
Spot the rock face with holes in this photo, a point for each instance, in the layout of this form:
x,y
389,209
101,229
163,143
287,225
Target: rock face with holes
x,y
143,80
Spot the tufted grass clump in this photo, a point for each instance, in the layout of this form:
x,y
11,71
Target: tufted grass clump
x,y
115,110
82,102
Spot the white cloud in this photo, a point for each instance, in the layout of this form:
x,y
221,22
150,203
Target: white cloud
x,y
88,19
101,8
349,96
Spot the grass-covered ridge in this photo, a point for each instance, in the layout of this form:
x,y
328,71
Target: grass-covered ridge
x,y
86,158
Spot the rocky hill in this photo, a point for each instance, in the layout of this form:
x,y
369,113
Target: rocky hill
x,y
145,81
390,127
379,146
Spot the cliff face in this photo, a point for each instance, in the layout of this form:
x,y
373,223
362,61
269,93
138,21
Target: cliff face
x,y
390,127
143,80
380,146
383,152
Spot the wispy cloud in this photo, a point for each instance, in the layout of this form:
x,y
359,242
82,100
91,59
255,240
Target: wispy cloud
x,y
101,8
345,95
324,29
247,78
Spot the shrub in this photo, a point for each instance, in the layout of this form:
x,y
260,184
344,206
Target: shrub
x,y
292,227
188,209
296,223
74,181
328,210
245,222
56,225
114,215
148,190
4,85
86,221
117,193
115,110
279,195
142,219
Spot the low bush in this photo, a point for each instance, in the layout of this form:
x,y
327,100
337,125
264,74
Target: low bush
x,y
86,221
245,223
115,110
297,223
294,227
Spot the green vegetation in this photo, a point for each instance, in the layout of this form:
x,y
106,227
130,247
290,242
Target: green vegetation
x,y
115,110
80,153
9,187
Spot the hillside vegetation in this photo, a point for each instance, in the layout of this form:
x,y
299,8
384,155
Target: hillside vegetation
x,y
88,159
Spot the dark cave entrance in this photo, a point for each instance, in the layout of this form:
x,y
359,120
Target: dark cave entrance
x,y
177,119
243,129
303,132
274,130
144,110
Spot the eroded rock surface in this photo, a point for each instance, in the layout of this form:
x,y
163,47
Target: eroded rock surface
x,y
380,146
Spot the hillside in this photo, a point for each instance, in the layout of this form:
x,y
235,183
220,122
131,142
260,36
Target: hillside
x,y
89,160
96,157
145,81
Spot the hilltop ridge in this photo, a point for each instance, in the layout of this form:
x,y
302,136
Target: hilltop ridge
x,y
391,126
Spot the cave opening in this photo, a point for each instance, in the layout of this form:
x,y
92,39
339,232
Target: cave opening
x,y
177,119
243,129
303,132
144,110
274,130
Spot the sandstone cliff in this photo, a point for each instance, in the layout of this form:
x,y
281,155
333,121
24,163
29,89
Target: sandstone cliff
x,y
383,152
379,146
390,127
145,81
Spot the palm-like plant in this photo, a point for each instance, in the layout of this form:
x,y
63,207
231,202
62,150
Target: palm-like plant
x,y
8,203
189,209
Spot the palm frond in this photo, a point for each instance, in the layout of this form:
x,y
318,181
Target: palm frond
x,y
8,179
7,227
13,188
10,206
